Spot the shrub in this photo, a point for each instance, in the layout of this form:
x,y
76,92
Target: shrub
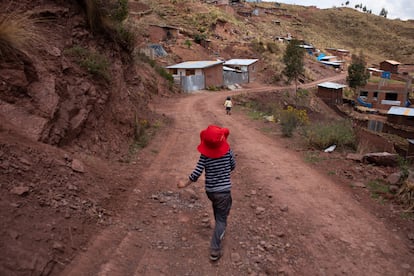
x,y
198,38
323,135
107,17
187,43
17,33
291,118
94,63
272,47
258,46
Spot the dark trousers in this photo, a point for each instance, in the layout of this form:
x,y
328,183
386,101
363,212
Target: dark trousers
x,y
221,203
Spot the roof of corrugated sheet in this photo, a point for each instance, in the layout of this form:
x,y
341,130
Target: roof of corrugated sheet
x,y
403,111
393,62
200,64
331,85
240,61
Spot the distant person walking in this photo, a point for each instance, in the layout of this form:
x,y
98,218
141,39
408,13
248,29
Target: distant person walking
x,y
217,159
228,104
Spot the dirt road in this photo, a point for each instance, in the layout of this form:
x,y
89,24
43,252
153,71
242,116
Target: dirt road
x,y
286,218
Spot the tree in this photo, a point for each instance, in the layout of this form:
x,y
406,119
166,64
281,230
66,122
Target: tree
x,y
357,72
293,60
383,13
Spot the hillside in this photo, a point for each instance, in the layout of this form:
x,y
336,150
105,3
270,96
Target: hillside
x,y
78,106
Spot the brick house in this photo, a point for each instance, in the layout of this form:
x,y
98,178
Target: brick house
x,y
244,65
401,116
198,75
383,95
331,93
159,33
390,66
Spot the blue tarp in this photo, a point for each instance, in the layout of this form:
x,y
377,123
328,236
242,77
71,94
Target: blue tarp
x,y
361,102
321,56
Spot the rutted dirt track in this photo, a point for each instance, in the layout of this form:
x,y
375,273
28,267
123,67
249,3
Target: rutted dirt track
x,y
286,218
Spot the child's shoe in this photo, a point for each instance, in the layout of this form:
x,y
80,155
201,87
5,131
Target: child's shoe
x,y
215,255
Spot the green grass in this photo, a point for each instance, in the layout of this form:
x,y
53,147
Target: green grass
x,y
93,62
378,79
323,135
377,188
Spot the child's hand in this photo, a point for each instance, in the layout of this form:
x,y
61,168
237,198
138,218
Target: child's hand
x,y
182,184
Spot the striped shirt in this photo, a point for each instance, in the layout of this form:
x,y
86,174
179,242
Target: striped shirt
x,y
217,172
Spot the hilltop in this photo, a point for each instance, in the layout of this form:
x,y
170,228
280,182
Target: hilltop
x,y
82,141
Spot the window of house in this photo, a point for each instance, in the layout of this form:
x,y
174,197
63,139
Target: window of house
x,y
190,72
363,94
375,97
391,96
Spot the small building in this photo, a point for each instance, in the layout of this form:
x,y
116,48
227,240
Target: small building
x,y
159,33
390,66
331,93
248,66
198,75
341,53
401,116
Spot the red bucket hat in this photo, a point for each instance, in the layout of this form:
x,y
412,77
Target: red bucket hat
x,y
214,141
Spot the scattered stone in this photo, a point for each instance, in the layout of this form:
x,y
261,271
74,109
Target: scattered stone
x,y
21,190
382,159
235,257
253,192
393,189
280,234
284,208
58,246
77,166
358,184
260,210
394,178
406,266
355,157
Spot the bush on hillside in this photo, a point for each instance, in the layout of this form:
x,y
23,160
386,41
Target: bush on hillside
x,y
322,135
107,16
17,33
291,118
95,63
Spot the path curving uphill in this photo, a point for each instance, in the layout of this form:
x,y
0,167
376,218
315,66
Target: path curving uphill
x,y
286,217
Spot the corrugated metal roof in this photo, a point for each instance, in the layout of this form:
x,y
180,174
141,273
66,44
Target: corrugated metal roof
x,y
393,62
331,85
375,69
200,64
329,57
402,111
241,62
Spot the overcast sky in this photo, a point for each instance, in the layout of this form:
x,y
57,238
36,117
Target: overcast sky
x,y
402,9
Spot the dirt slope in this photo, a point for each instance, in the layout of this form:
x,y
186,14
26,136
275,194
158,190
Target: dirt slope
x,y
287,218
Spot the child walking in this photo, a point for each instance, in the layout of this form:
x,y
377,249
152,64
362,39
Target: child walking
x,y
228,104
217,160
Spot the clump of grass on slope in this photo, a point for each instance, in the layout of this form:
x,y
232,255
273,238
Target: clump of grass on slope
x,y
17,33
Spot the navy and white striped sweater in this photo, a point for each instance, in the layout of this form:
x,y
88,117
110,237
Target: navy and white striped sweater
x,y
217,172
